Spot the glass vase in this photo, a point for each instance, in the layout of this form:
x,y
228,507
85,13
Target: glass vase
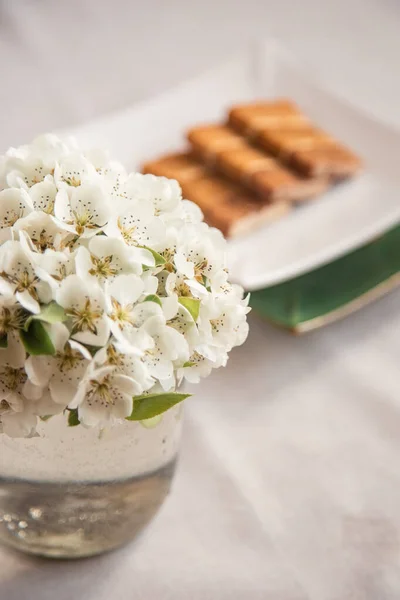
x,y
75,492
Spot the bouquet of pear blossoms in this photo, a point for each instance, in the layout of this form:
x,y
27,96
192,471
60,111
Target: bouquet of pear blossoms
x,y
112,290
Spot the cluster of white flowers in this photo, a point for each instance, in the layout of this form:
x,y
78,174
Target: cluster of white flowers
x,y
111,287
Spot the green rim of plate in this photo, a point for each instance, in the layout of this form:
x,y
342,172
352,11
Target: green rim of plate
x,y
334,290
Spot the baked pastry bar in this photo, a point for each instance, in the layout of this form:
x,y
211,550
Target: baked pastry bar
x,y
233,156
253,118
282,129
226,205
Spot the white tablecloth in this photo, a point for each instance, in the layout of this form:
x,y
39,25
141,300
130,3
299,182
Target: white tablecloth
x,y
289,482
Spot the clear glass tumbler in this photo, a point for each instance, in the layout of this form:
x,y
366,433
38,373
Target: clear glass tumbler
x,y
75,492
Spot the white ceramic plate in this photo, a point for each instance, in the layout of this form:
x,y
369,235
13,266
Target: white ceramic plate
x,y
341,220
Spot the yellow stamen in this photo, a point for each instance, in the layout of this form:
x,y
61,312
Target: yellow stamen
x,y
84,320
102,267
121,314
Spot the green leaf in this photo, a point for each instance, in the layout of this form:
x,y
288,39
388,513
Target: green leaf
x,y
50,313
92,349
151,405
206,283
192,305
153,298
188,363
36,340
3,341
73,419
151,423
45,417
159,260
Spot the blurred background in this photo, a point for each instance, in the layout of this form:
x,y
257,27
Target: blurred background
x,y
289,484
65,62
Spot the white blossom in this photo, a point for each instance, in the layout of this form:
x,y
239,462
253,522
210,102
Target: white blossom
x,y
14,204
43,231
136,224
198,366
126,316
30,164
169,347
24,173
201,254
84,210
103,396
43,195
111,286
126,363
223,321
18,277
163,194
62,372
106,257
16,416
73,171
12,316
84,303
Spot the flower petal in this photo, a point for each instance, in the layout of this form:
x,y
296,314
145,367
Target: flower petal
x,y
126,385
39,369
32,392
170,306
43,195
183,265
62,393
18,425
14,355
28,302
99,338
126,289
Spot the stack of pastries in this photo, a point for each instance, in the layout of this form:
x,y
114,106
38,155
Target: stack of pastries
x,y
257,166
